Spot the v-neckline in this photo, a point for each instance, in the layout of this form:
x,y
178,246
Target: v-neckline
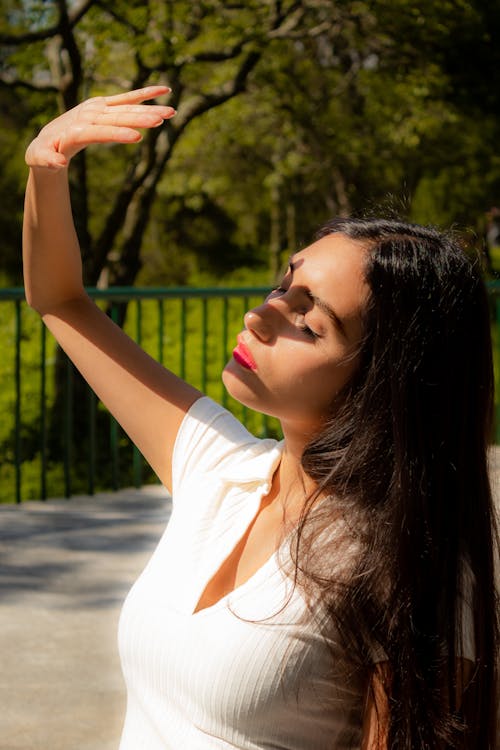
x,y
237,590
259,495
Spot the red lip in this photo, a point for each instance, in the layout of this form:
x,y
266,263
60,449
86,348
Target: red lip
x,y
242,355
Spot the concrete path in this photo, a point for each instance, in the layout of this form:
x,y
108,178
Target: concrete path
x,y
65,568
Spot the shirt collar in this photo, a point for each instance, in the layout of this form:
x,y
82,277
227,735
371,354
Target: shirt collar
x,y
257,463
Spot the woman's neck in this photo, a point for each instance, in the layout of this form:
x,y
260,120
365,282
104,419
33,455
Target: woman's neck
x,y
291,486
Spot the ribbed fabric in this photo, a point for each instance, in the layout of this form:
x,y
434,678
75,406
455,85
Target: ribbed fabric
x,y
247,672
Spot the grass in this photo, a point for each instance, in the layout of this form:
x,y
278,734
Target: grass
x,y
201,364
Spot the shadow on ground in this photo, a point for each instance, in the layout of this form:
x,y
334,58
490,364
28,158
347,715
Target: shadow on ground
x,y
65,568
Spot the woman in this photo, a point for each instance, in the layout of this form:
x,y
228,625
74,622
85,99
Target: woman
x,y
334,590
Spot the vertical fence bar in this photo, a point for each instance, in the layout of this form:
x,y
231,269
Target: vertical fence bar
x,y
264,432
161,331
136,456
68,426
17,375
43,411
245,308
264,426
225,353
204,328
113,427
182,367
92,406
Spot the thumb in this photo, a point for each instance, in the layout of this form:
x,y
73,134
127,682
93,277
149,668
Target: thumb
x,y
37,156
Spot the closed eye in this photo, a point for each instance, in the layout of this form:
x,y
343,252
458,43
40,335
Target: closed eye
x,y
309,332
302,327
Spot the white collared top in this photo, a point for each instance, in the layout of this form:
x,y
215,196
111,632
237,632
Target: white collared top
x,y
253,671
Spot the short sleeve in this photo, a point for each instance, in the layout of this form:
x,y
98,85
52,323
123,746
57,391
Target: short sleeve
x,y
211,439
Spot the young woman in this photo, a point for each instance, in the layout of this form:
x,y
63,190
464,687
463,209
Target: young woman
x,y
335,590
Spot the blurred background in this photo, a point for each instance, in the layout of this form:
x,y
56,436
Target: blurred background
x,y
289,112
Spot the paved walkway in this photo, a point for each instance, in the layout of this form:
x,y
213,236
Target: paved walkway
x,y
65,568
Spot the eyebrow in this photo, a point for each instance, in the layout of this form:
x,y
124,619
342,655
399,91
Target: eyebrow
x,y
324,306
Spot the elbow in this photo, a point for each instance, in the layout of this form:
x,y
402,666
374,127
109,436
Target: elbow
x,y
31,301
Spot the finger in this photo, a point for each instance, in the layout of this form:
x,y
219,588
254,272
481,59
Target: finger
x,y
143,118
88,134
138,95
138,108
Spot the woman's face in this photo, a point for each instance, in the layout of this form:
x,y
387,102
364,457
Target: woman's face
x,y
299,348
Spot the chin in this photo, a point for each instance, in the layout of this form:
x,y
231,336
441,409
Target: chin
x,y
239,389
246,390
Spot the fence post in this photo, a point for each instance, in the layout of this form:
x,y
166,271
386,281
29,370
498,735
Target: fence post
x,y
17,428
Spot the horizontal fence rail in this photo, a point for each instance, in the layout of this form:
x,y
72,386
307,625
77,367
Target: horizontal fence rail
x,y
57,440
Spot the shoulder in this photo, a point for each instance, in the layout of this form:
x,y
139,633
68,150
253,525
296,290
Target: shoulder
x,y
211,439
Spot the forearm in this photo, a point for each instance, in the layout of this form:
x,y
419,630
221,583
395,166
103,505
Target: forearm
x,y
51,253
52,262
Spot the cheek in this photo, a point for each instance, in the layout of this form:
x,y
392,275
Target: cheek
x,y
297,386
313,387
326,381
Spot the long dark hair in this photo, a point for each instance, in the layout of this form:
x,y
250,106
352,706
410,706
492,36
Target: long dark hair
x,y
406,448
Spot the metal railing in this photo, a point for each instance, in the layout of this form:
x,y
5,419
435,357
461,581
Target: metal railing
x,y
57,440
191,331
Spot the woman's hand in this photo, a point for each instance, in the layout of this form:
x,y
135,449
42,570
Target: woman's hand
x,y
103,119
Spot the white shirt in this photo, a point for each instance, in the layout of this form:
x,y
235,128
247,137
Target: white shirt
x,y
252,671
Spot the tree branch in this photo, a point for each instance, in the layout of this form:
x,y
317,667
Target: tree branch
x,y
79,10
212,55
71,77
144,162
105,7
37,36
202,103
286,21
143,193
11,82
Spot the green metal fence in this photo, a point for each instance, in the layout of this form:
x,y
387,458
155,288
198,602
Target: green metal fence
x,y
190,331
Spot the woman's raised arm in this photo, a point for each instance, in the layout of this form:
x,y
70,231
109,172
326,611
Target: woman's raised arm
x,y
146,399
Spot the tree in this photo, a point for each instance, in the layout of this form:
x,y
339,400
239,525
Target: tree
x,y
360,111
345,103
289,111
204,50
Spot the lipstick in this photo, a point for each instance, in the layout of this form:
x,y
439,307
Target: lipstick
x,y
242,355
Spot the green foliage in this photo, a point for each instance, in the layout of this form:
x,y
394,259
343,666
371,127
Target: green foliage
x,y
349,104
288,113
161,328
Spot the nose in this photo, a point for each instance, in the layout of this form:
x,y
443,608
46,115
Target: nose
x,y
258,322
